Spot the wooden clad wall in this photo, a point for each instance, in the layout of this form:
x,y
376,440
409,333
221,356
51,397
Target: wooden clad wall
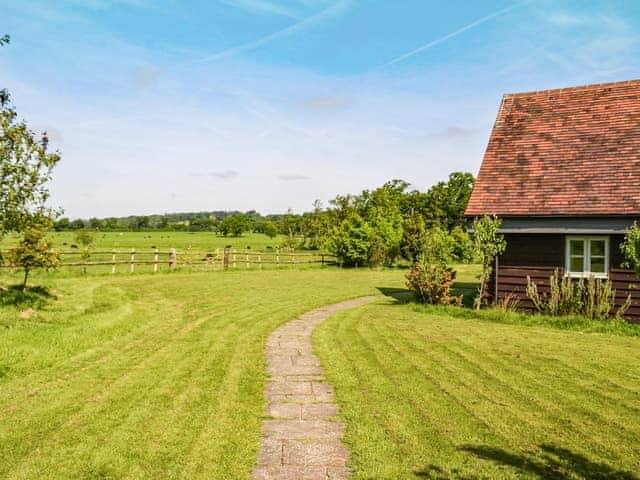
x,y
538,255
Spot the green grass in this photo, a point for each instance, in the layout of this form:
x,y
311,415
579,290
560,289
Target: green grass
x,y
182,241
148,376
429,395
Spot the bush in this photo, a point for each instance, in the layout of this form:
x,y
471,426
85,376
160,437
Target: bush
x,y
431,283
592,298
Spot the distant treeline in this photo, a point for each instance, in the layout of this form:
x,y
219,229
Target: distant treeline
x,y
185,221
375,227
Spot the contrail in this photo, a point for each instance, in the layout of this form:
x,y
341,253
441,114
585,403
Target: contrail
x,y
455,33
335,9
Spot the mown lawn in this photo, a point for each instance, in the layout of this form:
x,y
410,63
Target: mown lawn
x,y
426,395
149,376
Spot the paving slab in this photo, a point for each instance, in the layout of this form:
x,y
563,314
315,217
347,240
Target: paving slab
x,y
301,438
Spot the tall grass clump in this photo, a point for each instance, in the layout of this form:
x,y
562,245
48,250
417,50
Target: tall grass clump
x,y
592,298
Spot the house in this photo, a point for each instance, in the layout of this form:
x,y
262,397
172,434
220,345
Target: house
x,y
562,171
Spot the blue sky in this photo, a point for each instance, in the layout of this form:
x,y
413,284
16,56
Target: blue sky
x,y
162,106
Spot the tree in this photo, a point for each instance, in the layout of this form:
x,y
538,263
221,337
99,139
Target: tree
x,y
77,224
62,224
33,251
25,169
234,225
631,248
270,229
350,242
489,244
86,238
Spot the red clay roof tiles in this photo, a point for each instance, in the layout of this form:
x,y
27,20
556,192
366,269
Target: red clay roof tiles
x,y
573,151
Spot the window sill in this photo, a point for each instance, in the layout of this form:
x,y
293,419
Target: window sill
x,y
601,276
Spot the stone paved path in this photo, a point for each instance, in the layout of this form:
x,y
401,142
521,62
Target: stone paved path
x,y
301,438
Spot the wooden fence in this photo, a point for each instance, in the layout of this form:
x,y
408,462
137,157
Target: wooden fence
x,y
127,260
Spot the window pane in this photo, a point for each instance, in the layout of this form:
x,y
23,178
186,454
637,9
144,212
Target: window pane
x,y
597,265
597,248
576,247
577,264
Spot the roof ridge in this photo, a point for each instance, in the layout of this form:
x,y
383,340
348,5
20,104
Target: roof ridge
x,y
579,87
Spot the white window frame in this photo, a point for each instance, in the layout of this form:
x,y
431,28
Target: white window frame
x,y
586,273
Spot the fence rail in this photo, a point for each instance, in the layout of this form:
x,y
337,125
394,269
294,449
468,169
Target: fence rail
x,y
227,258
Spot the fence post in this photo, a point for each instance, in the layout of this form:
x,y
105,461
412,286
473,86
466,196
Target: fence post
x,y
260,260
155,261
132,266
113,261
293,257
322,261
173,258
225,258
246,258
234,258
277,257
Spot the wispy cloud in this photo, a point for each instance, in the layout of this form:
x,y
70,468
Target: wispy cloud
x,y
225,174
453,34
262,7
334,10
453,131
292,177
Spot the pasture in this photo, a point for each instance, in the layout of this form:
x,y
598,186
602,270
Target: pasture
x,y
182,241
428,395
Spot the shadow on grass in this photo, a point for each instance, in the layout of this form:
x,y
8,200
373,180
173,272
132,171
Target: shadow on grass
x,y
553,462
16,296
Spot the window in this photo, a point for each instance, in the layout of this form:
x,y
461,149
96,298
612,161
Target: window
x,y
587,256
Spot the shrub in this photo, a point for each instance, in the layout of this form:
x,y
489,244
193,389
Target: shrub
x,y
592,298
431,283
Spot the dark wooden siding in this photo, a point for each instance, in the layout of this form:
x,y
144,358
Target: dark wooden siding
x,y
537,256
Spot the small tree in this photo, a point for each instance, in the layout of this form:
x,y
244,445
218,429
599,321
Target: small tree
x,y
33,251
86,238
270,229
489,244
631,248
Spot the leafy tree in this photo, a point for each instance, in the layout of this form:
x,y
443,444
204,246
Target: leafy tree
x,y
33,251
86,239
413,237
95,223
631,248
62,224
444,203
289,225
463,247
270,229
350,242
26,166
489,244
202,224
77,224
234,225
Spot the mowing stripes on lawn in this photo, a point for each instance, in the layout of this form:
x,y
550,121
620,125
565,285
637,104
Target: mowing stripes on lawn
x,y
150,376
431,396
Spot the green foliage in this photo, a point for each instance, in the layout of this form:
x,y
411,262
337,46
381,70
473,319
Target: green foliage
x,y
350,242
202,224
631,248
489,244
592,298
270,229
413,237
86,238
234,225
33,251
432,282
464,249
4,40
25,169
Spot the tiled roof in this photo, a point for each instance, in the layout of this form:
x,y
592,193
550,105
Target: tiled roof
x,y
573,151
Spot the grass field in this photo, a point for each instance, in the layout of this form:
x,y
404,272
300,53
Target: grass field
x,y
150,376
182,241
427,395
